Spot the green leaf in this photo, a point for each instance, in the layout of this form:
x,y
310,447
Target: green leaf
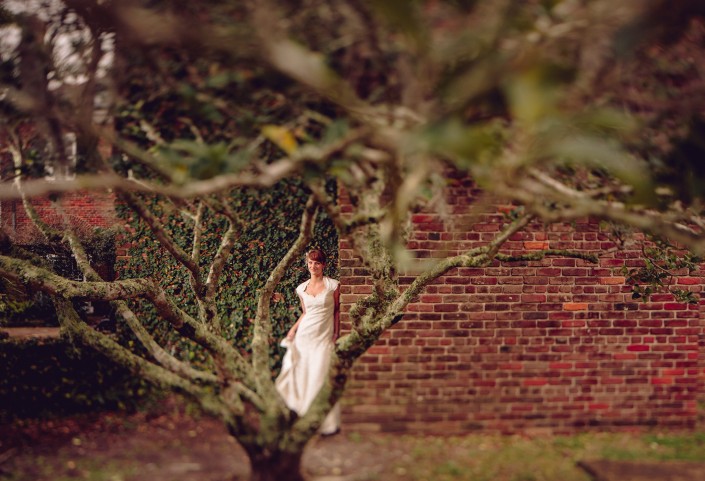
x,y
404,15
219,80
466,145
281,137
595,152
532,95
335,130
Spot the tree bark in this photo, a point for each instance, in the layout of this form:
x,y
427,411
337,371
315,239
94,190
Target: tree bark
x,y
278,465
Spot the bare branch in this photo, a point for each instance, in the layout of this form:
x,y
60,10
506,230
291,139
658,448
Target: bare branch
x,y
158,352
196,281
542,254
122,309
157,375
41,279
480,256
160,233
225,248
51,234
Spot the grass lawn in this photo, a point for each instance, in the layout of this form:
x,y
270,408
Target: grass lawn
x,y
518,458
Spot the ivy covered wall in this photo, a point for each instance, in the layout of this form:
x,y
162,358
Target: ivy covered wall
x,y
257,250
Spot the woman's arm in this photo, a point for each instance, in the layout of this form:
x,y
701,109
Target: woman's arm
x,y
292,332
336,313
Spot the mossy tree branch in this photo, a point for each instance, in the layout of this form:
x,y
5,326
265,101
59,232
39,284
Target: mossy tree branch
x,y
139,366
225,248
37,278
375,315
161,234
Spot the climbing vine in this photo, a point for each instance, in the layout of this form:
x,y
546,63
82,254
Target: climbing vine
x,y
663,263
256,252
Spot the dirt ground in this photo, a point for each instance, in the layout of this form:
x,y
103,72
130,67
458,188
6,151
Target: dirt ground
x,y
165,446
168,444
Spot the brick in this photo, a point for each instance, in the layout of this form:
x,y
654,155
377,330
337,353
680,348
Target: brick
x,y
536,245
616,280
612,380
689,281
535,382
445,307
532,298
575,306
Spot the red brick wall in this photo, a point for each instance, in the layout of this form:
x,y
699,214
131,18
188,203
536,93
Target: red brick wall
x,y
553,345
85,210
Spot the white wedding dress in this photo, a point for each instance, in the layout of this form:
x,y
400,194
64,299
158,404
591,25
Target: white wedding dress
x,y
305,364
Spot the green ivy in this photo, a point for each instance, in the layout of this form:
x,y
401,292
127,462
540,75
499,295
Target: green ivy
x,y
200,119
662,263
271,219
50,377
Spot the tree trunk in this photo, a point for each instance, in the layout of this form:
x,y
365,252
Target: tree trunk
x,y
275,466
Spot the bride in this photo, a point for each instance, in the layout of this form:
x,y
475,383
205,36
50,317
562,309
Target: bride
x,y
310,341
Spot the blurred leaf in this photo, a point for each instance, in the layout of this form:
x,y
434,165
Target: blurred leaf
x,y
219,80
335,130
597,153
188,159
404,15
533,92
463,4
607,120
467,85
466,144
310,68
282,137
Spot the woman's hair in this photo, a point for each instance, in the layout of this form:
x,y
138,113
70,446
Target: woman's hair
x,y
316,255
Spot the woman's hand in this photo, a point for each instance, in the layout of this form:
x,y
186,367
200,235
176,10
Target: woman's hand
x,y
290,335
